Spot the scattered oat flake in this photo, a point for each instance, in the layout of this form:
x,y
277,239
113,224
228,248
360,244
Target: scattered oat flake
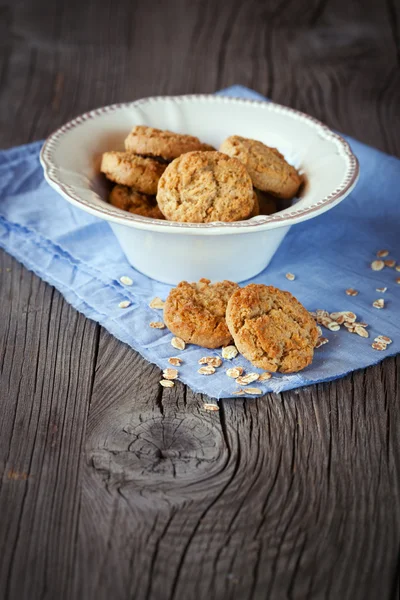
x,y
229,352
265,376
175,361
333,326
178,343
170,373
382,290
239,392
378,346
397,268
253,391
377,265
126,280
234,372
290,276
352,292
360,324
319,330
383,339
213,361
246,379
167,383
361,331
210,406
124,304
321,341
390,263
382,253
380,303
398,280
157,325
157,303
206,370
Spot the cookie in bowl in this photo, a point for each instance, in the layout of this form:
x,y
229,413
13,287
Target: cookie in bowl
x,y
135,171
132,201
149,141
202,187
267,167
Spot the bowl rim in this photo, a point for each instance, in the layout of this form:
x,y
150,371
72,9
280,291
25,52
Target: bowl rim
x,y
286,217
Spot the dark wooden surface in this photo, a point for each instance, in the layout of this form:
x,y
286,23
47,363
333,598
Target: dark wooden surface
x,y
114,489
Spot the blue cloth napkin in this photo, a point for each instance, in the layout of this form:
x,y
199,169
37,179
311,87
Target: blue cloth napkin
x,y
79,255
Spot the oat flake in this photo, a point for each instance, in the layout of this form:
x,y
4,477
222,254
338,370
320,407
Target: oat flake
x,y
382,290
377,265
213,361
175,361
246,379
206,370
290,276
167,383
380,303
124,304
398,280
321,341
265,376
253,391
378,346
178,343
157,303
234,372
229,352
383,339
390,263
382,253
126,280
361,331
210,406
352,292
239,392
170,373
157,325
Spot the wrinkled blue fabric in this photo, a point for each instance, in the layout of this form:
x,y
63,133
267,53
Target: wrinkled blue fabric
x,y
78,254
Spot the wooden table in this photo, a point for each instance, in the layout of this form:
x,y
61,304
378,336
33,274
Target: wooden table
x,y
115,489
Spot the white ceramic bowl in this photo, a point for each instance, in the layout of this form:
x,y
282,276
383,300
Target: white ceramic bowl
x,y
169,251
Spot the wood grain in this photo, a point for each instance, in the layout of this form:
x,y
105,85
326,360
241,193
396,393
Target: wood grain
x,y
114,488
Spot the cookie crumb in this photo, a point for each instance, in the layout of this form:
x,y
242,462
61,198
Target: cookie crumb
x,y
352,292
124,304
170,373
380,303
157,325
126,280
178,343
157,303
175,361
377,265
290,276
229,352
206,370
382,253
167,383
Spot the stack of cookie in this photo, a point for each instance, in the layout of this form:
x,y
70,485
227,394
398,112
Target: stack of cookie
x,y
166,175
268,326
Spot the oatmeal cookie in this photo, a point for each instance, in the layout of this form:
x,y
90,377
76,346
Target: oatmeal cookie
x,y
267,167
128,169
200,187
128,199
271,328
149,141
195,312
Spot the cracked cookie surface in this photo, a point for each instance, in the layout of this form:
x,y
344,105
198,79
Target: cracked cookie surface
x,y
271,328
267,167
201,187
149,141
129,169
195,312
128,199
